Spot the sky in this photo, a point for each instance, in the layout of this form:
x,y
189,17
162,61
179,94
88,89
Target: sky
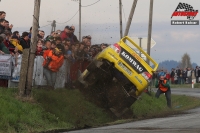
x,y
101,21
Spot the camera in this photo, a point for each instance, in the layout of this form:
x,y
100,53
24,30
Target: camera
x,y
48,61
160,81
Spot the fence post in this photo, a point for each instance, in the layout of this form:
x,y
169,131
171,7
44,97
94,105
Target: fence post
x,y
192,83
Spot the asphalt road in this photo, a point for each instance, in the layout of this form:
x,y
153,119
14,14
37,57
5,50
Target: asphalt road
x,y
184,123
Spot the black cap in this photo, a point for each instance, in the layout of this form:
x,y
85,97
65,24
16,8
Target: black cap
x,y
60,47
67,27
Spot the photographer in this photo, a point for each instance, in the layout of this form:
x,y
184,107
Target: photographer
x,y
53,60
163,87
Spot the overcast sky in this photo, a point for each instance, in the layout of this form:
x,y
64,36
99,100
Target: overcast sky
x,y
101,21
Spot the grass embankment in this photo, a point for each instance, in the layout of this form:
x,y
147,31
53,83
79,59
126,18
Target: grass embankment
x,y
68,109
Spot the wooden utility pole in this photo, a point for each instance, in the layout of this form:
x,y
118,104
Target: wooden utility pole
x,y
130,17
149,28
53,26
80,20
33,47
140,42
120,18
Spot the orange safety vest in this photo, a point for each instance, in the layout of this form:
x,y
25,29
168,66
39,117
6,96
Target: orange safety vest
x,y
162,87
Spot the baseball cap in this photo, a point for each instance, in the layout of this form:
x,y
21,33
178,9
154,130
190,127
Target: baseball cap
x,y
67,27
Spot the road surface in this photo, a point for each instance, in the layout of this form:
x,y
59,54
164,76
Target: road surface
x,y
184,123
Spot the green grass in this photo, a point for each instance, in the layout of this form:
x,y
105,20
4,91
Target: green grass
x,y
154,107
20,116
48,110
70,106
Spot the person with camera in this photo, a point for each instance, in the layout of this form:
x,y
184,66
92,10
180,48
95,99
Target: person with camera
x,y
53,60
163,87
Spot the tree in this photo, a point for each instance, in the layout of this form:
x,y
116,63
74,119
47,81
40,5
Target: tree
x,y
185,62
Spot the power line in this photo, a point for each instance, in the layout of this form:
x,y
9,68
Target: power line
x,y
44,26
39,27
69,19
91,4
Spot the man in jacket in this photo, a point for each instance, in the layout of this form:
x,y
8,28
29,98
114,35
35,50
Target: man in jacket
x,y
24,41
163,87
65,33
196,74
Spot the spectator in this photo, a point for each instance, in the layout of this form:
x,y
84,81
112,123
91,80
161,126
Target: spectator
x,y
2,27
189,75
53,45
86,39
8,27
74,65
172,75
182,81
193,75
65,33
57,33
163,87
196,74
52,63
24,40
30,32
58,40
15,43
184,75
16,33
42,34
68,42
47,45
3,48
7,42
103,46
80,58
51,36
74,37
175,78
87,58
178,71
39,50
68,64
2,15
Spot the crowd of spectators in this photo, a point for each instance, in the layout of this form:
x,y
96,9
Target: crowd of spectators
x,y
179,75
60,45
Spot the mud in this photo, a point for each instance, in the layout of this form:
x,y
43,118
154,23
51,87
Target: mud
x,y
104,90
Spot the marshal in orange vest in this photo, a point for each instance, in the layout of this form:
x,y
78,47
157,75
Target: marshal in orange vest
x,y
162,87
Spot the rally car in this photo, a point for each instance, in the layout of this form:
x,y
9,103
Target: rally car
x,y
118,75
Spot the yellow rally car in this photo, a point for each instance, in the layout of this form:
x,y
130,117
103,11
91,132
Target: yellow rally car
x,y
118,75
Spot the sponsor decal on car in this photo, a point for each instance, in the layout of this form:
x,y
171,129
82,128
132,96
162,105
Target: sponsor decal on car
x,y
132,61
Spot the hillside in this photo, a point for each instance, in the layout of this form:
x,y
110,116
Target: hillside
x,y
169,64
